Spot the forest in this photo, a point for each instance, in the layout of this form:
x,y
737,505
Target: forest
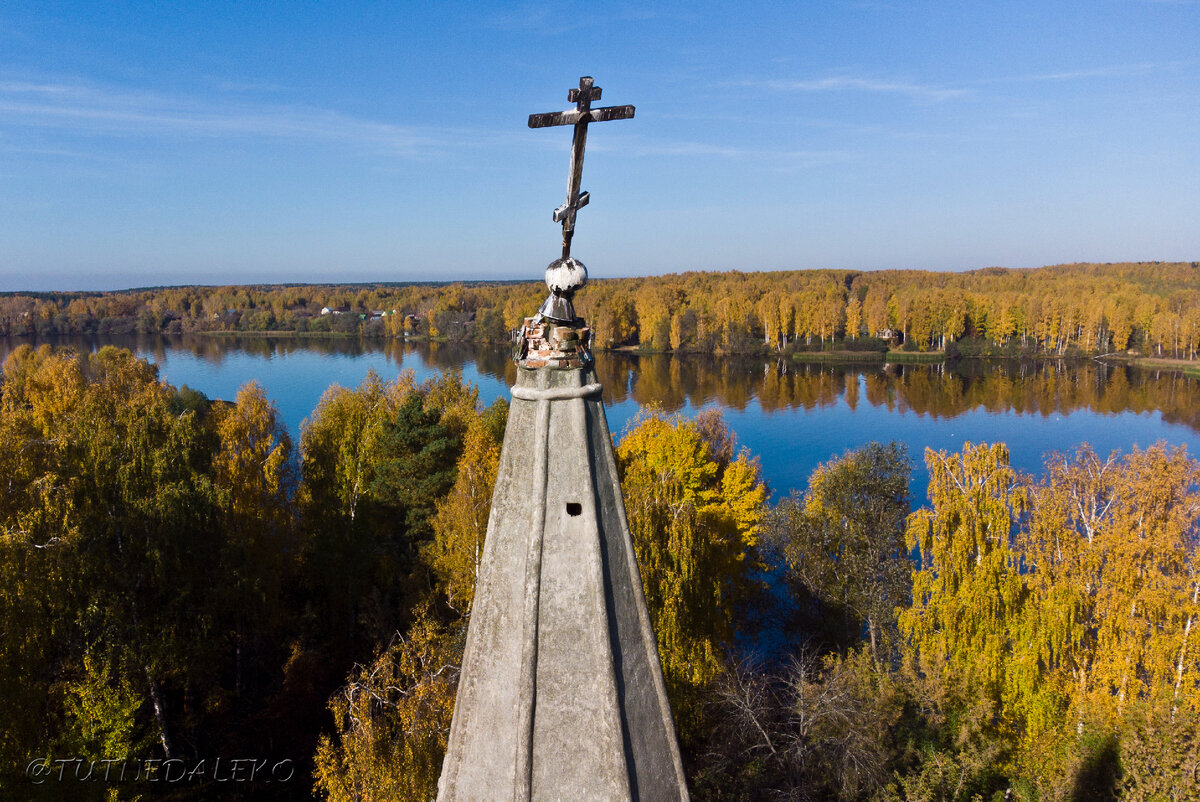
x,y
182,582
1150,309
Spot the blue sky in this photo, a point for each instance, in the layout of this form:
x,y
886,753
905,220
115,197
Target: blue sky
x,y
176,143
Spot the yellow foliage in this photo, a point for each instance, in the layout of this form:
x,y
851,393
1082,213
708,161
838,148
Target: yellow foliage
x,y
460,523
103,709
1067,605
251,467
694,520
344,433
967,590
393,720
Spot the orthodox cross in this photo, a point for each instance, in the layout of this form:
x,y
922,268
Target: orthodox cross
x,y
580,116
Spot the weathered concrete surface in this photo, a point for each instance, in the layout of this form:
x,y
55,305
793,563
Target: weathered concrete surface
x,y
561,694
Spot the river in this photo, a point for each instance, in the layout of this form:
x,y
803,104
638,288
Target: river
x,y
791,416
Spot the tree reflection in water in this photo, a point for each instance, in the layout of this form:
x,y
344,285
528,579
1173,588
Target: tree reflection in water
x,y
1042,387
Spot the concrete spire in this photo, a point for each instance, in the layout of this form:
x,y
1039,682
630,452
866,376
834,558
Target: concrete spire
x,y
561,694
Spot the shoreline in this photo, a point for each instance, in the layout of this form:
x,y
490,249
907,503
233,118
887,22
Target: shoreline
x,y
832,357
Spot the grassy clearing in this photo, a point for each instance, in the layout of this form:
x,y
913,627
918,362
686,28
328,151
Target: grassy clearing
x,y
915,356
838,356
1183,366
309,335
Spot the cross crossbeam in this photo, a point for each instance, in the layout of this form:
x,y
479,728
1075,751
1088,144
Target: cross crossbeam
x,y
579,117
573,116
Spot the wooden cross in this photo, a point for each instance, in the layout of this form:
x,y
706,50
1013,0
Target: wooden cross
x,y
580,116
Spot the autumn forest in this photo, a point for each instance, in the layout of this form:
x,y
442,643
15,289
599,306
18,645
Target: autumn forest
x,y
182,580
1152,308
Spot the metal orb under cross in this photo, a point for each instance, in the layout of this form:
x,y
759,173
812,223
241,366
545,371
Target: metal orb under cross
x,y
566,275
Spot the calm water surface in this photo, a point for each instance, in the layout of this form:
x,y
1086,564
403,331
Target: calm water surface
x,y
792,416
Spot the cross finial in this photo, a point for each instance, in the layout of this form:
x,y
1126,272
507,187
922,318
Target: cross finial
x,y
580,116
585,94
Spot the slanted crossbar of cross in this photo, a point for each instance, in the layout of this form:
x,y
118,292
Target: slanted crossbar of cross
x,y
580,116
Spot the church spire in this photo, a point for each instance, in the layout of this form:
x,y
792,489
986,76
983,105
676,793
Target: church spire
x,y
561,694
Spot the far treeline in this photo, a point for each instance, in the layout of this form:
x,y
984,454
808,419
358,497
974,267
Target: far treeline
x,y
1080,309
182,583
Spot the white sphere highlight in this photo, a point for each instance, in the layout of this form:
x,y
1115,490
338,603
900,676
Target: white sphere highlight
x,y
565,276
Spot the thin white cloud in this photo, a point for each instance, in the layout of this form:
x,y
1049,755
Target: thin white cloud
x,y
552,18
1112,71
43,150
27,87
226,85
544,19
685,149
845,83
101,111
91,111
778,157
